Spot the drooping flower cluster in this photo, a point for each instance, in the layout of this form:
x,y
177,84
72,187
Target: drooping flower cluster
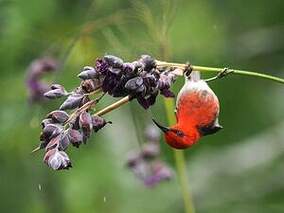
x,y
59,131
140,80
37,69
146,164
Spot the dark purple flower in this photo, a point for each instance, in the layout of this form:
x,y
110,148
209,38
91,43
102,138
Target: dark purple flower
x,y
113,61
72,101
89,85
148,62
86,124
75,137
64,141
159,172
50,131
88,73
57,160
150,151
57,91
53,143
58,116
98,123
101,66
46,121
36,71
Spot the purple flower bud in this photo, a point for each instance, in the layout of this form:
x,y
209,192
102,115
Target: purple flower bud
x,y
152,133
57,160
148,62
53,143
36,71
134,83
89,86
45,122
152,98
113,61
143,102
75,137
129,68
64,141
115,71
150,151
56,93
98,123
133,159
85,122
101,66
167,93
50,131
160,172
58,116
57,86
72,101
88,73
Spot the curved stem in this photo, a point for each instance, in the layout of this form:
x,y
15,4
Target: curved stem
x,y
213,69
180,162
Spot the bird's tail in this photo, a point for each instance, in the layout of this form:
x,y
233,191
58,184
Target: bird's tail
x,y
195,76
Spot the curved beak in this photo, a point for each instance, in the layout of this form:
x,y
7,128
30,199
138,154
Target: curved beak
x,y
164,129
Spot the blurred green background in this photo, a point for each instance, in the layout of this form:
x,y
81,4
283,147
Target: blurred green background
x,y
240,169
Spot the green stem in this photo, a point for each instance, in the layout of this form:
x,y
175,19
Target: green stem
x,y
240,72
213,69
180,162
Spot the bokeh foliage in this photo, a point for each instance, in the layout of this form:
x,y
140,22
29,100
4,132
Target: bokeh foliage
x,y
237,170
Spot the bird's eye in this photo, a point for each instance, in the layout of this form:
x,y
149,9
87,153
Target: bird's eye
x,y
179,133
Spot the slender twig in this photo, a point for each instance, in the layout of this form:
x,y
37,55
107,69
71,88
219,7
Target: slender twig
x,y
213,69
113,106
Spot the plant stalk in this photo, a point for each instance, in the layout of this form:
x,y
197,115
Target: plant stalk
x,y
213,69
113,106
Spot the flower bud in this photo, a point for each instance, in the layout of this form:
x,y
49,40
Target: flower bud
x,y
148,62
133,159
53,143
57,160
72,101
75,137
58,116
113,61
150,151
50,131
85,122
53,94
46,121
64,141
134,83
88,73
98,123
88,85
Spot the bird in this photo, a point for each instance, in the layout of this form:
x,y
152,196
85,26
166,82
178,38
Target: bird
x,y
197,112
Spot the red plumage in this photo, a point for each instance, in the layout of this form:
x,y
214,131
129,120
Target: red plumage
x,y
197,111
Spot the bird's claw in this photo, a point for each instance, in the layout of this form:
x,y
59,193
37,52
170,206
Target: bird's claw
x,y
226,71
188,70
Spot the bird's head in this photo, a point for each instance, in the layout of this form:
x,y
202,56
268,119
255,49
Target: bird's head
x,y
179,138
